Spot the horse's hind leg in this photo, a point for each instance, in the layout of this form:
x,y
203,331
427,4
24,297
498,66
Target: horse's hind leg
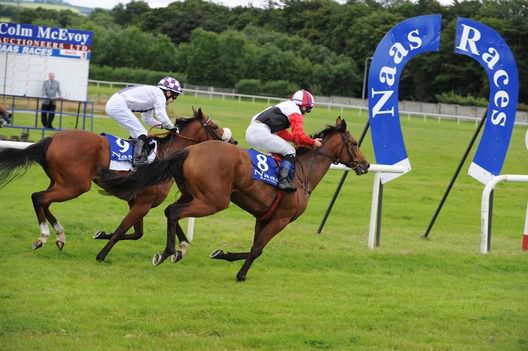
x,y
41,202
181,250
59,229
182,209
41,218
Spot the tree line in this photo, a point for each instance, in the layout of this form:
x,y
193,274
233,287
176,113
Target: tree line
x,y
320,45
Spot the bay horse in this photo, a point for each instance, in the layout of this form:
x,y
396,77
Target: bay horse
x,y
5,116
212,174
71,160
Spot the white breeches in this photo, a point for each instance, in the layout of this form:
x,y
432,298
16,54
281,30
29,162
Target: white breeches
x,y
117,109
259,135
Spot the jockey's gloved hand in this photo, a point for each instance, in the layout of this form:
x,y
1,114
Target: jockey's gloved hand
x,y
168,126
174,130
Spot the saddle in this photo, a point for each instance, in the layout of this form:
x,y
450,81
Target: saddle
x,y
122,151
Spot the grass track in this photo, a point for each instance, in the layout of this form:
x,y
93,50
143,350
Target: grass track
x,y
307,291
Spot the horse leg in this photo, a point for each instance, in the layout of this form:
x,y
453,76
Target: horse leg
x,y
270,229
236,256
181,250
41,218
41,202
138,228
134,217
59,229
170,247
181,209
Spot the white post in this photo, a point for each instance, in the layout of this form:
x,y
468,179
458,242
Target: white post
x,y
190,228
378,171
374,209
485,205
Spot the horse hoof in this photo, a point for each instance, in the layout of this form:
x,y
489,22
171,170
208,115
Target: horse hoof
x,y
158,259
37,244
216,253
60,244
177,256
99,235
241,278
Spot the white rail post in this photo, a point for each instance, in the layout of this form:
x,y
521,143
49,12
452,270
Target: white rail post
x,y
377,198
485,237
525,236
375,212
190,228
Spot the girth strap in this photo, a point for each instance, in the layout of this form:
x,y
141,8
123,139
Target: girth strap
x,y
273,207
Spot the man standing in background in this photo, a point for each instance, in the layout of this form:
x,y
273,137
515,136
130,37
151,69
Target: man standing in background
x,y
50,91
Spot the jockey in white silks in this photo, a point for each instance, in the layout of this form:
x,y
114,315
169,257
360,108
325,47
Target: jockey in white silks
x,y
147,100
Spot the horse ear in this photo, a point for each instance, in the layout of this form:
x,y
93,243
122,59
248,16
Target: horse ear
x,y
194,111
343,125
338,122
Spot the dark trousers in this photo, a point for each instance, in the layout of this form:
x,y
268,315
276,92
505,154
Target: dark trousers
x,y
47,114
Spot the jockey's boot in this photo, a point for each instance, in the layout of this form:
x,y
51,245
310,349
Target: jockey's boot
x,y
287,167
140,157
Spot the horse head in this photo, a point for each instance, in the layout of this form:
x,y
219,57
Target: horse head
x,y
345,149
5,116
213,131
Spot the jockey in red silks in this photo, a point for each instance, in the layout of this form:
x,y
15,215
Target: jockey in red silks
x,y
269,131
147,100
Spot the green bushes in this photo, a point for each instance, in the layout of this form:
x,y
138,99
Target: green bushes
x,y
131,75
452,98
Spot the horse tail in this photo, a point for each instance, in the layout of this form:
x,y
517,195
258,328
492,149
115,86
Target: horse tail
x,y
159,171
15,162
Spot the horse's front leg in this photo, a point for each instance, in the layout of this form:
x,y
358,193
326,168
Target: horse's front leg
x,y
135,216
136,235
219,254
228,256
138,228
269,230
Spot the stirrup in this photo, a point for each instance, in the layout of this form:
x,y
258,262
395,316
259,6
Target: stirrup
x,y
285,185
140,161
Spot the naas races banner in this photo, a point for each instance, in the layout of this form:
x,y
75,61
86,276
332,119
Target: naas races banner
x,y
486,46
403,42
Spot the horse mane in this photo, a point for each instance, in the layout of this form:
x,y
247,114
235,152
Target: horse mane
x,y
181,123
322,134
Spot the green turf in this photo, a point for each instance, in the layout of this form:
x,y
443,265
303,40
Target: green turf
x,y
307,291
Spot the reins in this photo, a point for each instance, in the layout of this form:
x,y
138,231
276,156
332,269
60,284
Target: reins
x,y
335,160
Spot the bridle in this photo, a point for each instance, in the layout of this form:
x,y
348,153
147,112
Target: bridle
x,y
208,128
353,164
335,160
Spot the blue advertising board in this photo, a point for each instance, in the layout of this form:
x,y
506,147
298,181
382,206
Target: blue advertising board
x,y
487,47
404,41
30,39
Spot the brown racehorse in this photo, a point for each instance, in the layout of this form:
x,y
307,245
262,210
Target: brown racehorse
x,y
5,116
71,160
203,194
